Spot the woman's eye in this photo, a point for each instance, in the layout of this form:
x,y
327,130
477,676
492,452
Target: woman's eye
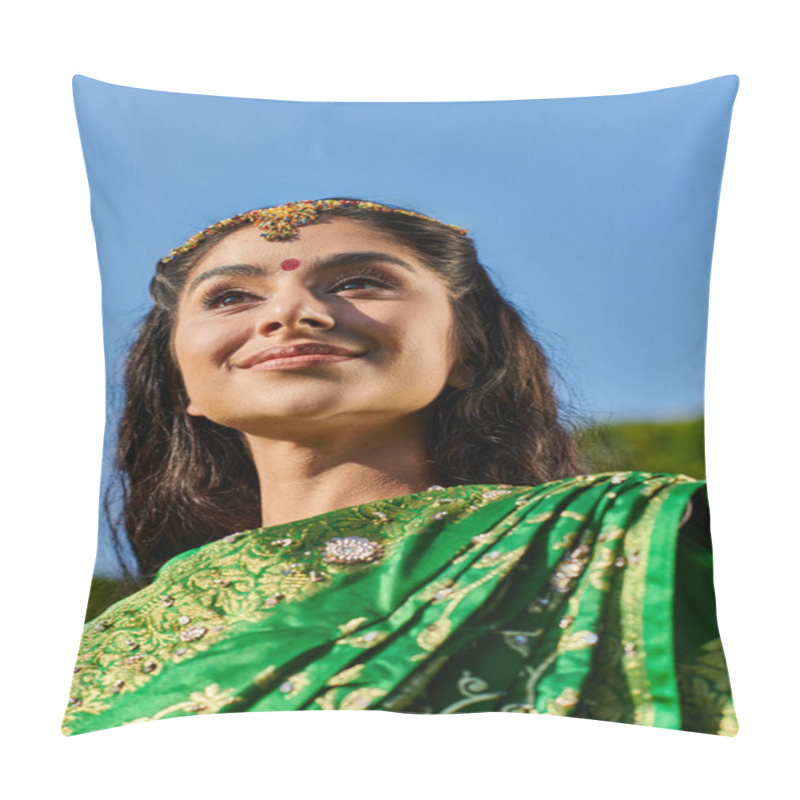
x,y
218,299
361,279
229,297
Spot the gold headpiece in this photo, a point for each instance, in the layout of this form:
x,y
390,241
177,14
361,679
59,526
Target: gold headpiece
x,y
281,222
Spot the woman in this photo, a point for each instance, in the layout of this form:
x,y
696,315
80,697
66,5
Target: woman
x,y
346,478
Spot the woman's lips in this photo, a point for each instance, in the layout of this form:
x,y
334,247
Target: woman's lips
x,y
296,362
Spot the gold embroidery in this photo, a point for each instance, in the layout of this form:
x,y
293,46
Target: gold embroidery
x,y
438,591
361,698
474,690
346,676
500,561
611,533
357,700
326,701
352,625
186,622
369,639
564,703
570,569
240,578
295,684
535,519
265,677
435,634
598,571
636,554
729,725
568,540
210,701
577,640
520,641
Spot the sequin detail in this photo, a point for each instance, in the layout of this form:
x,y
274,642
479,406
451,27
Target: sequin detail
x,y
351,550
281,222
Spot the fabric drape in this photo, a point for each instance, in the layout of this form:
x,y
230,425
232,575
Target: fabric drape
x,y
589,597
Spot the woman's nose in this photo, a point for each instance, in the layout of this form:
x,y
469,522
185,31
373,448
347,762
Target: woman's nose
x,y
293,305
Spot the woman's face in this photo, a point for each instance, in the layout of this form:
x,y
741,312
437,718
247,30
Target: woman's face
x,y
338,284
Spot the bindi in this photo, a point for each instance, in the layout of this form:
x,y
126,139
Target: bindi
x,y
289,264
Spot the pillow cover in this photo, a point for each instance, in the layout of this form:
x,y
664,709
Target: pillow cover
x,y
406,406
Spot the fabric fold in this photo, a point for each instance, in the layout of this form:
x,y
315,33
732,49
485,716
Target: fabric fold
x,y
556,599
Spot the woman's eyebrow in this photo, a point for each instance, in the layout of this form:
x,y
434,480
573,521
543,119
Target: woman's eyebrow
x,y
239,270
329,262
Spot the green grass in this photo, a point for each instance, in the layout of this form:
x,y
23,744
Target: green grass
x,y
677,447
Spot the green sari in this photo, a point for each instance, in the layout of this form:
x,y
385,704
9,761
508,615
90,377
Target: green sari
x,y
587,597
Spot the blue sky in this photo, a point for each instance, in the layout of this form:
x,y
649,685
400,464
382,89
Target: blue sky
x,y
595,216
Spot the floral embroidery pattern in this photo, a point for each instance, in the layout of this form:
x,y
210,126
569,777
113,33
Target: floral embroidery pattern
x,y
198,600
209,701
518,599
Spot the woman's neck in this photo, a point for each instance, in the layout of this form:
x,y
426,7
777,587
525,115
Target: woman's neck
x,y
298,480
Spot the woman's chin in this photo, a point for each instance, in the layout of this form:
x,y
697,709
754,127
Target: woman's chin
x,y
296,418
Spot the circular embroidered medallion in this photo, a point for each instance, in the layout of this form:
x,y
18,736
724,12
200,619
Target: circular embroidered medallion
x,y
351,550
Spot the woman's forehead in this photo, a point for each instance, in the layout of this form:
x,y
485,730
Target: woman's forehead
x,y
311,241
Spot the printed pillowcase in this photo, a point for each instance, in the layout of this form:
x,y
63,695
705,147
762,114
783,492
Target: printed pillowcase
x,y
442,279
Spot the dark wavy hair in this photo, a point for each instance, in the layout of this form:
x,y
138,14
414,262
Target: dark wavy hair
x,y
186,480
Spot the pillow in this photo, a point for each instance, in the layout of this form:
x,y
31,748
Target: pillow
x,y
471,481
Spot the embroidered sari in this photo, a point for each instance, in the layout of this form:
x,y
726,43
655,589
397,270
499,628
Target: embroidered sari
x,y
589,597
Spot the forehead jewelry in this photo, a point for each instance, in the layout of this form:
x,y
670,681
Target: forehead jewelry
x,y
282,222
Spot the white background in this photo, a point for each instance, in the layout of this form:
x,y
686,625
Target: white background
x,y
54,405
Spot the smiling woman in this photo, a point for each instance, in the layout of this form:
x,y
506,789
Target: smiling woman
x,y
377,327
347,486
